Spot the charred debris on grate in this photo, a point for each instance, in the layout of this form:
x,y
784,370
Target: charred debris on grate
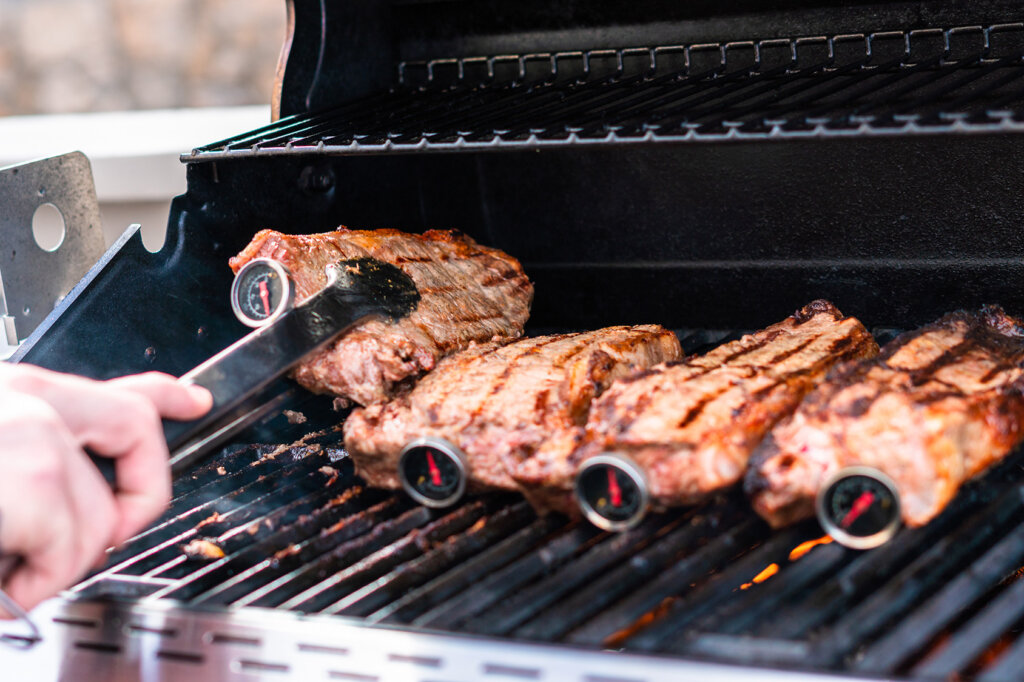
x,y
300,531
709,582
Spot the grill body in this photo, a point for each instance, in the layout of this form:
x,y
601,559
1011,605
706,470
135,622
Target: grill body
x,y
707,168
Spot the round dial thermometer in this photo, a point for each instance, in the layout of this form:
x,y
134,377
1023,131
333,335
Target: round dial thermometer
x,y
262,290
433,472
859,507
611,491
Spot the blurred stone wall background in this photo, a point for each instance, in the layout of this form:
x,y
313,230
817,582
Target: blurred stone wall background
x,y
60,56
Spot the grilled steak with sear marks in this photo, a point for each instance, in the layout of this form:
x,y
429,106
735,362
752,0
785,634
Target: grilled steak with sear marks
x,y
498,401
936,407
692,425
468,293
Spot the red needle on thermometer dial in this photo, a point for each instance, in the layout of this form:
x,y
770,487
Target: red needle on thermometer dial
x,y
860,505
613,489
265,296
435,473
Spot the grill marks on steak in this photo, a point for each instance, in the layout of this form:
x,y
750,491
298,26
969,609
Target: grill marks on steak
x,y
469,293
500,403
692,425
935,408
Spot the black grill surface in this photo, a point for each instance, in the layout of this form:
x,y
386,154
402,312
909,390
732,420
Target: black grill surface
x,y
931,80
299,531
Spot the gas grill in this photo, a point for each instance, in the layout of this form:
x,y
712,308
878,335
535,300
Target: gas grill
x,y
710,168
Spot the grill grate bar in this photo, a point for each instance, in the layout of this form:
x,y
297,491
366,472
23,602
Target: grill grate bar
x,y
665,632
988,86
967,71
256,521
981,633
300,130
881,89
758,606
869,570
322,594
199,583
710,582
916,630
530,102
831,95
337,522
730,543
201,501
373,126
128,560
533,599
885,606
362,540
1008,667
461,578
852,108
393,586
482,110
614,584
721,104
500,584
823,95
893,87
562,118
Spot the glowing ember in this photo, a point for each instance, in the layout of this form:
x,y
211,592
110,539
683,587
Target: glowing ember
x,y
768,572
804,547
616,639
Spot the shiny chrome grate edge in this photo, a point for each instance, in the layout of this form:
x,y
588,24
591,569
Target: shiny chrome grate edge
x,y
87,640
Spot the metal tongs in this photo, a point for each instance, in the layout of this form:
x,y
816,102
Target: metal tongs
x,y
238,376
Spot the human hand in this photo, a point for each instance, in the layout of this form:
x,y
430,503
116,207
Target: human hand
x,y
56,511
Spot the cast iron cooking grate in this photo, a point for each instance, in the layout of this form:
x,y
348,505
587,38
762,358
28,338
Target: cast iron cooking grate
x,y
292,527
931,80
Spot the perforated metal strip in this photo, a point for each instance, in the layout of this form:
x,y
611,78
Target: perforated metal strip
x,y
91,641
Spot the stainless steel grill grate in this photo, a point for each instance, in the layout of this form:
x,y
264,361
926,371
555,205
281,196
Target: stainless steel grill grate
x,y
292,528
952,80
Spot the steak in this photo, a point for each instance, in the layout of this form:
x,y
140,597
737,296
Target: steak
x,y
936,407
468,293
692,425
497,402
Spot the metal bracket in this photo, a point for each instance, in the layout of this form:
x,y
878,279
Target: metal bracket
x,y
34,279
8,332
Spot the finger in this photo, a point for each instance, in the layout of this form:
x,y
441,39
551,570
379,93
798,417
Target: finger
x,y
94,510
48,568
82,521
172,399
37,524
143,478
119,423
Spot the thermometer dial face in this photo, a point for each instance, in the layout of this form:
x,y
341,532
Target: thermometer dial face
x,y
859,507
262,290
611,492
433,472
